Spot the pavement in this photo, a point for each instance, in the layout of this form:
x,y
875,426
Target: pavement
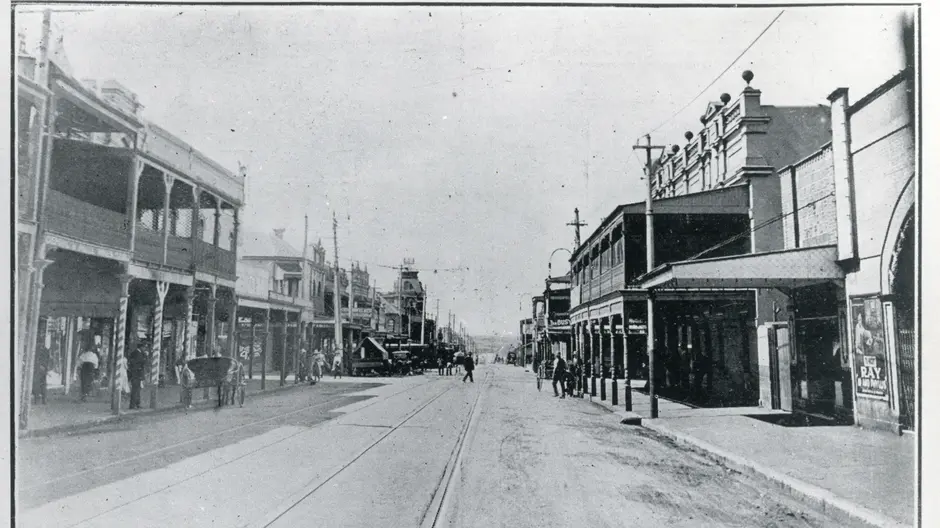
x,y
65,413
415,451
864,477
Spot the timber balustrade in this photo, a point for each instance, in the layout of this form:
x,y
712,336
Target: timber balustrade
x,y
214,260
81,220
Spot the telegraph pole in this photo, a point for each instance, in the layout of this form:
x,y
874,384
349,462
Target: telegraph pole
x,y
401,308
424,302
578,224
337,312
437,319
372,308
650,262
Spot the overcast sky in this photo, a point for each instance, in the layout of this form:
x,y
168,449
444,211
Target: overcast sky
x,y
461,137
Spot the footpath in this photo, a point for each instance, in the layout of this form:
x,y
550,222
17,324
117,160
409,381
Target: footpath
x,y
867,478
65,413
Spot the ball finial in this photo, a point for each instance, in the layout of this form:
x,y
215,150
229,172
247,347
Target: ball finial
x,y
675,148
688,135
725,98
702,119
748,76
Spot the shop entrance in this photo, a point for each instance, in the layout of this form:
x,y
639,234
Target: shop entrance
x,y
904,289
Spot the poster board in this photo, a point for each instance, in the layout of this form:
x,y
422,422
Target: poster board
x,y
869,348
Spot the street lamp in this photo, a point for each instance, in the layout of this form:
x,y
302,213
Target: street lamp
x,y
552,255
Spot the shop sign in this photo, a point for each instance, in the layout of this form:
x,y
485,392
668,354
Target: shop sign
x,y
871,364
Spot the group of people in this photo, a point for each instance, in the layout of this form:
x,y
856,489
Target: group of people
x,y
447,368
567,375
314,363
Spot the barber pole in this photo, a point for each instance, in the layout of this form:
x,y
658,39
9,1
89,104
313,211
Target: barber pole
x,y
120,363
162,288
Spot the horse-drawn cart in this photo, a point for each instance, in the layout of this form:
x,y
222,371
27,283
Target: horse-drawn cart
x,y
225,374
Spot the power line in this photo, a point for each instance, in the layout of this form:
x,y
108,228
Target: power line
x,y
720,74
759,226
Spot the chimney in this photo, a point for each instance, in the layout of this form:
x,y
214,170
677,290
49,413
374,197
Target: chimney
x,y
279,233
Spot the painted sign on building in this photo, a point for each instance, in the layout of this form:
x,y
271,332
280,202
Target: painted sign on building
x,y
871,364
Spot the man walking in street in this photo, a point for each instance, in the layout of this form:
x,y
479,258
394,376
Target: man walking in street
x,y
468,366
337,364
136,366
558,374
440,366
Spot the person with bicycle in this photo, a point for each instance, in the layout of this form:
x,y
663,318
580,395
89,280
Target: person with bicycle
x,y
558,374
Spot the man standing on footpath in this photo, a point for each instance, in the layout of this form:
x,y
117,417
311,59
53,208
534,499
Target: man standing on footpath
x,y
468,366
558,374
136,366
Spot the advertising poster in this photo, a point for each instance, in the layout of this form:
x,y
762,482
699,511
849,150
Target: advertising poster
x,y
871,365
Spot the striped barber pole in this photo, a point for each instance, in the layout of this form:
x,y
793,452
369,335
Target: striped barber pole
x,y
120,363
187,332
162,288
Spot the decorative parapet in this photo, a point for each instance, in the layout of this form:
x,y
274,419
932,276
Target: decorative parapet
x,y
189,162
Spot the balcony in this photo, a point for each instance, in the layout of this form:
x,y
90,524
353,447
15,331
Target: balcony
x,y
179,155
280,297
214,260
148,246
179,252
83,221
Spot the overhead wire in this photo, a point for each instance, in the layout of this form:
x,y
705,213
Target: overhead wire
x,y
754,229
717,78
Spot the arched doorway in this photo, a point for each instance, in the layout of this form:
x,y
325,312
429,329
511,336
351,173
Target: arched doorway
x,y
902,285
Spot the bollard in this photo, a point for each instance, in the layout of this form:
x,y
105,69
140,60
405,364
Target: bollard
x,y
627,396
603,389
613,392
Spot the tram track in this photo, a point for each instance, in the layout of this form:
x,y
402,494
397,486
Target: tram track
x,y
177,445
436,509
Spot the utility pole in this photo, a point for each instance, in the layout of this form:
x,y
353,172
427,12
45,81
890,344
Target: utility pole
x,y
424,301
437,318
401,307
372,308
337,312
650,262
577,228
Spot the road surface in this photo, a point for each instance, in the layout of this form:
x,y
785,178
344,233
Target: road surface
x,y
417,451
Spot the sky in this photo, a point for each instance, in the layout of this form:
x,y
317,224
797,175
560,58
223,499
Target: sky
x,y
460,137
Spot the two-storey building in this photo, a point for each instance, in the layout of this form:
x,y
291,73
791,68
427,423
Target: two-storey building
x,y
842,342
715,197
134,239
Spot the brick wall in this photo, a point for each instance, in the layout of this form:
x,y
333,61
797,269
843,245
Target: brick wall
x,y
815,201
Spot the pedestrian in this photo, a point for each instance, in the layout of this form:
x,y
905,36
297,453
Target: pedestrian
x,y
468,366
87,364
337,364
319,364
440,366
558,375
40,374
450,368
578,374
136,366
570,379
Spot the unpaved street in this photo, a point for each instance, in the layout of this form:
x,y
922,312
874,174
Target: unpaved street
x,y
419,451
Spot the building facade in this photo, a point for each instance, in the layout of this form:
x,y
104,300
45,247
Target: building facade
x,y
131,235
844,342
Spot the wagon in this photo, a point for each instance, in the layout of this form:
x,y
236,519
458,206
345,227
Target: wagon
x,y
225,374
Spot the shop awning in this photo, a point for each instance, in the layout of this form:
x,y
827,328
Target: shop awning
x,y
793,268
377,346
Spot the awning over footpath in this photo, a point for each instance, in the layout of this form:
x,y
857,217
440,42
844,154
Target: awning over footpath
x,y
375,346
793,268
